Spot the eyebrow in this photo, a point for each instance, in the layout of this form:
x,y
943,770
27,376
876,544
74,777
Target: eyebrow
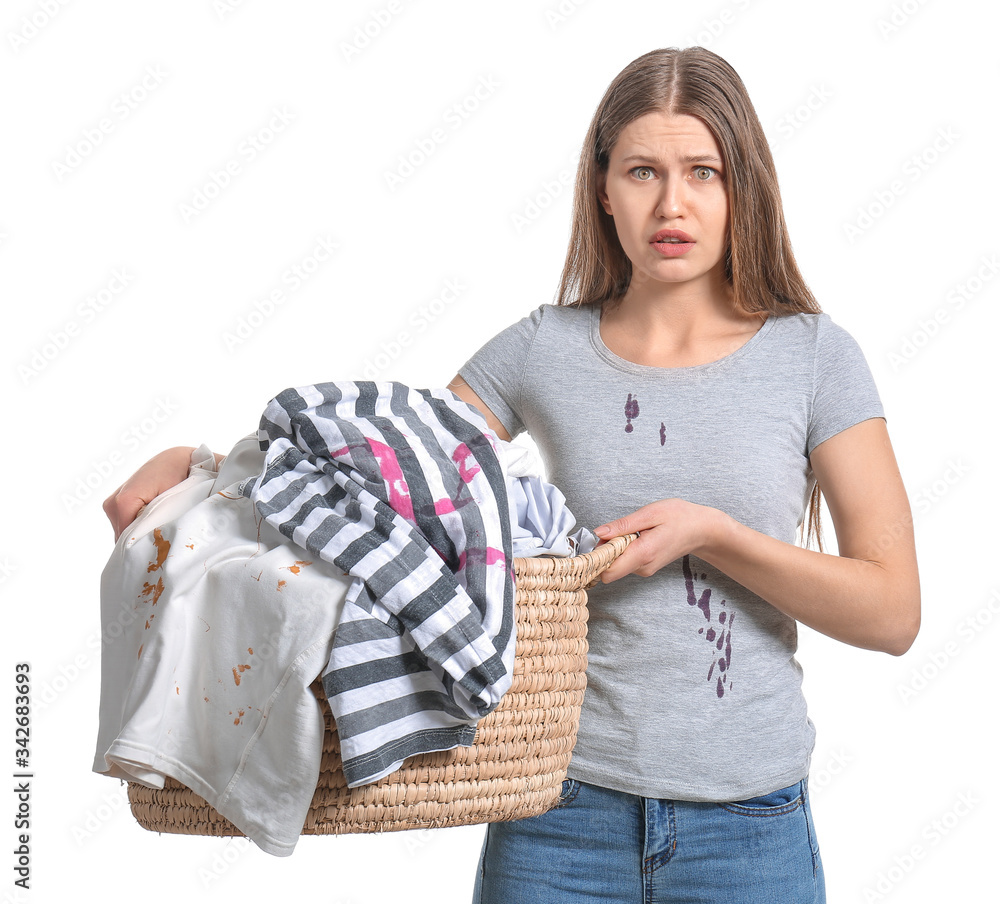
x,y
695,158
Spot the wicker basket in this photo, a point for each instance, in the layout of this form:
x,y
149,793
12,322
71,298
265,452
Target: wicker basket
x,y
517,764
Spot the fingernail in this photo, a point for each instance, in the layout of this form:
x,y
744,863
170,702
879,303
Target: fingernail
x,y
602,531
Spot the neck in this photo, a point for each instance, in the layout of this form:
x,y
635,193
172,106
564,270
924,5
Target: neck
x,y
680,309
666,325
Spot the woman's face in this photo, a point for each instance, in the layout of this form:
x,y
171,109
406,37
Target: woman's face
x,y
666,189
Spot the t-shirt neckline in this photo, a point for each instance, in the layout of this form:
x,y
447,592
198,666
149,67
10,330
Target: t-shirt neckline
x,y
632,367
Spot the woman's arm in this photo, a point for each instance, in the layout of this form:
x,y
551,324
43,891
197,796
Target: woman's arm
x,y
161,472
867,596
465,393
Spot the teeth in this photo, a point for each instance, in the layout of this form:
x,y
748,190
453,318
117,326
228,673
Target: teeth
x,y
673,241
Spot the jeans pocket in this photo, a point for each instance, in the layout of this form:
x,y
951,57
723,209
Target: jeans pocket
x,y
774,803
570,789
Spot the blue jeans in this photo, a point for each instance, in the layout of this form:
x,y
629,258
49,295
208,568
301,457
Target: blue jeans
x,y
599,845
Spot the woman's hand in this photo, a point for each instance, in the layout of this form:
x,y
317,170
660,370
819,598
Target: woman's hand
x,y
160,473
668,530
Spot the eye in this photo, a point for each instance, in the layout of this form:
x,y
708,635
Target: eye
x,y
642,173
704,173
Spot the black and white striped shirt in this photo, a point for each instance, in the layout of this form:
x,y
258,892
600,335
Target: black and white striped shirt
x,y
404,490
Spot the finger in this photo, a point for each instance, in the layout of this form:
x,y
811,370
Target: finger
x,y
116,508
626,563
124,510
640,520
610,575
111,510
117,522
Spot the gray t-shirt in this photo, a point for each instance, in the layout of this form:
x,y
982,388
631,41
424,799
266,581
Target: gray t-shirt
x,y
694,692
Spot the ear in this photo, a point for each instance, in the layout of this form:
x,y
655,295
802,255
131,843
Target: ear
x,y
602,191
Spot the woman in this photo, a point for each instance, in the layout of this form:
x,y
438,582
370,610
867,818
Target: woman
x,y
687,362
686,386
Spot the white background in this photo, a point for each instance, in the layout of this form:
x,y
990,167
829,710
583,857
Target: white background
x,y
883,119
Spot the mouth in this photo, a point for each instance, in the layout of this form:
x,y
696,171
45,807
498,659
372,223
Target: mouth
x,y
671,237
671,243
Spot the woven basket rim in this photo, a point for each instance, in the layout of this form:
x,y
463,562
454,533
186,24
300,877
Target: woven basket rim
x,y
587,566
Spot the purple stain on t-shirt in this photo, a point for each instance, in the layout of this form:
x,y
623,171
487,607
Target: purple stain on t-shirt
x,y
722,637
706,597
631,412
663,433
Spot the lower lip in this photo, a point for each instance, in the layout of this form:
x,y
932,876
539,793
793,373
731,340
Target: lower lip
x,y
673,249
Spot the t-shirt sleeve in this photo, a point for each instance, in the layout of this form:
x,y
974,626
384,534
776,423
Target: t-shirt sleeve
x,y
844,391
495,372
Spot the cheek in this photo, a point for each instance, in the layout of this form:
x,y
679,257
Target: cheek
x,y
624,218
722,221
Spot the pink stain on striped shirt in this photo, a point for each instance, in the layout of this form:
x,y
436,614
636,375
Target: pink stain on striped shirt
x,y
443,506
392,474
461,457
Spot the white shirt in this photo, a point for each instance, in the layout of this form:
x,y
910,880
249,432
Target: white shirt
x,y
214,627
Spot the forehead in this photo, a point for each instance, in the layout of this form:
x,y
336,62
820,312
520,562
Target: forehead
x,y
665,136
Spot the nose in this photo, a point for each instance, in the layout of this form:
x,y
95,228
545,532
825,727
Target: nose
x,y
672,200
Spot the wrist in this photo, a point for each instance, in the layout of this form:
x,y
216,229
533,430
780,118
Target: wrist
x,y
712,526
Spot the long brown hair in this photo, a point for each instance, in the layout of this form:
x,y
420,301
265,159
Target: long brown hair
x,y
759,264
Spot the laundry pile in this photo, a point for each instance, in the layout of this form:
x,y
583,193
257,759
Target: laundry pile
x,y
365,533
